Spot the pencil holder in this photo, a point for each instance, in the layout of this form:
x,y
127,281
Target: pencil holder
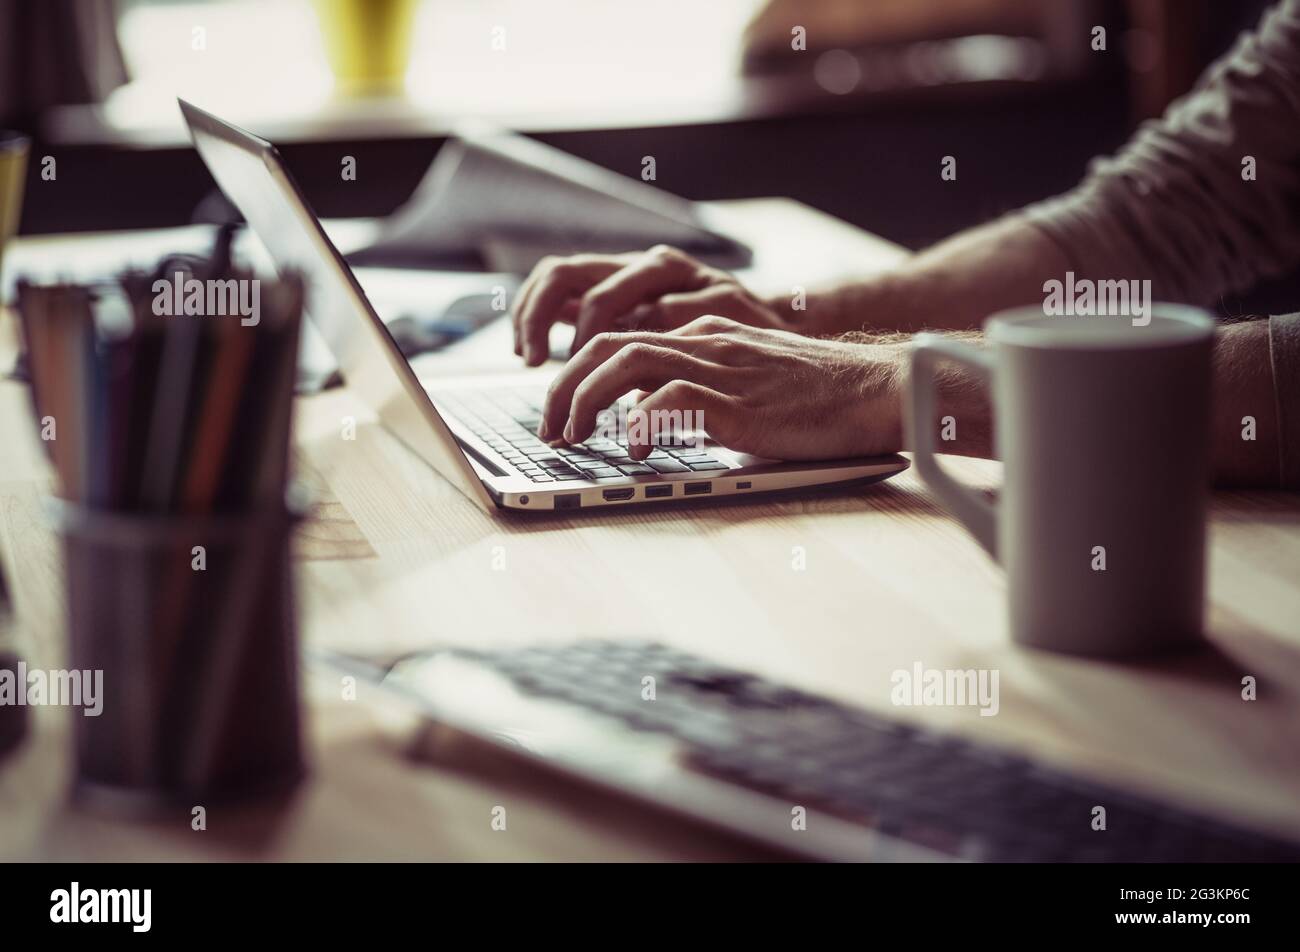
x,y
191,622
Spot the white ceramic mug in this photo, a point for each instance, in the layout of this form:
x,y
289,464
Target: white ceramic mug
x,y
1103,430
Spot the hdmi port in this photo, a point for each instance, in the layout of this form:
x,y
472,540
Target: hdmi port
x,y
615,495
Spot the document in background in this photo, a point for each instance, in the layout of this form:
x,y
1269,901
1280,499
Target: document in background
x,y
502,201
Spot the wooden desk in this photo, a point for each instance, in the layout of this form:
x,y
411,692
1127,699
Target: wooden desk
x,y
398,557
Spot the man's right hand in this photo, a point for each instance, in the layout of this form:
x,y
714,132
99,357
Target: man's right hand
x,y
659,289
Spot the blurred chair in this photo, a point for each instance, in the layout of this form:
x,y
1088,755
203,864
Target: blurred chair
x,y
54,52
1159,47
873,30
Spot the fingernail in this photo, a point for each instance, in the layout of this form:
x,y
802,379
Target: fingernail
x,y
543,432
568,431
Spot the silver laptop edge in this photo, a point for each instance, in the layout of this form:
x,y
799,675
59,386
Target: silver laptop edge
x,y
251,174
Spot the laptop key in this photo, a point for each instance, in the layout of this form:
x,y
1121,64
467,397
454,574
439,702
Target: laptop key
x,y
707,465
635,469
667,466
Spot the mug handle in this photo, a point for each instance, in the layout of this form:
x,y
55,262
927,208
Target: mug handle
x,y
971,509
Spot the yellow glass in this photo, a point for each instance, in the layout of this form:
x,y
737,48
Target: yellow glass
x,y
13,172
368,43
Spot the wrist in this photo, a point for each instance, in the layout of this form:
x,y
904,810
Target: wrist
x,y
963,408
885,302
880,398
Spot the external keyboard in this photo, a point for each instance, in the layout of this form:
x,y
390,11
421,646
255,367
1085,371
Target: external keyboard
x,y
507,421
946,793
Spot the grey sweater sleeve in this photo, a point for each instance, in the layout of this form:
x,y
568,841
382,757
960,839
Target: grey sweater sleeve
x,y
1206,200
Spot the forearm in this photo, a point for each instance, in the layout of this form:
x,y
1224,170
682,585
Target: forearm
x,y
1243,413
1205,201
952,286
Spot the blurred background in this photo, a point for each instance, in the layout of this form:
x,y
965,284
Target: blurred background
x,y
854,123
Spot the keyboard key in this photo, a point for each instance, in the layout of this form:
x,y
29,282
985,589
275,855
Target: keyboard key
x,y
635,469
667,466
707,465
539,478
689,451
592,464
607,472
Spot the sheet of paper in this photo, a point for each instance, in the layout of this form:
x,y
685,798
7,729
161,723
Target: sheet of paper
x,y
503,200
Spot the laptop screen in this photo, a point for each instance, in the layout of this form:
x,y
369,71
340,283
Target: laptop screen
x,y
250,173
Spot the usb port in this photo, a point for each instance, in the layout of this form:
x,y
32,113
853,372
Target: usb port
x,y
658,492
698,489
615,495
568,501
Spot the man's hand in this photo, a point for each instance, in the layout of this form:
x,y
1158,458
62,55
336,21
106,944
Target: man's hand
x,y
659,289
769,392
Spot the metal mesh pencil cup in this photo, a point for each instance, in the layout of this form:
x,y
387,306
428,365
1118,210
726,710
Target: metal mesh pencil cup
x,y
191,621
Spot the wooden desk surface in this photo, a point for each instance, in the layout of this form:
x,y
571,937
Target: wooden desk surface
x,y
399,558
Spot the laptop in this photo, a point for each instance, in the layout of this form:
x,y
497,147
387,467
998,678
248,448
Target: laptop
x,y
482,438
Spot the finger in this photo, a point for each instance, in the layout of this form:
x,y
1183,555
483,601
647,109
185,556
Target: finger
x,y
676,310
708,325
540,270
637,366
678,405
559,397
656,272
563,280
521,299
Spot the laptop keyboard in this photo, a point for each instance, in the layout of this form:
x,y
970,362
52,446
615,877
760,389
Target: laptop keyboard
x,y
939,791
507,421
